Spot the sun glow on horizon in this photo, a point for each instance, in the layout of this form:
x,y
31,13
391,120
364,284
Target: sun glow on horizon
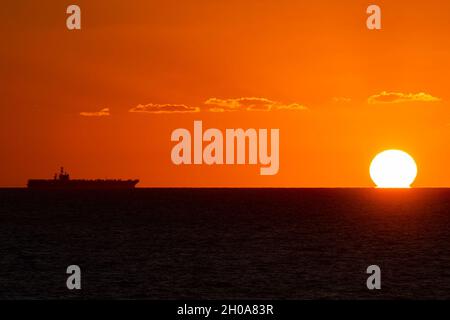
x,y
393,169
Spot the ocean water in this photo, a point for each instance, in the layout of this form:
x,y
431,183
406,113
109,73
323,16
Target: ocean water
x,y
225,243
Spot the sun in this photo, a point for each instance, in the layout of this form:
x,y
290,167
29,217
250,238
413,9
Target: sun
x,y
393,169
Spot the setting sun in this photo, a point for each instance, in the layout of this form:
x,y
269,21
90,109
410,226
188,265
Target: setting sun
x,y
393,169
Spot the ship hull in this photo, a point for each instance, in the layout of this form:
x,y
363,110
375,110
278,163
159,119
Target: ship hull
x,y
82,184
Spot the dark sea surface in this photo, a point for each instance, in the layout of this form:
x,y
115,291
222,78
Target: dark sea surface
x,y
225,243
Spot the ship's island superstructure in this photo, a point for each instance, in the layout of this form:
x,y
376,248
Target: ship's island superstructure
x,y
63,181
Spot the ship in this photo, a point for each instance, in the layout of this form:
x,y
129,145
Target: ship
x,y
62,180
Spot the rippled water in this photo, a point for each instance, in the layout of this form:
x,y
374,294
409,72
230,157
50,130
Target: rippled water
x,y
225,243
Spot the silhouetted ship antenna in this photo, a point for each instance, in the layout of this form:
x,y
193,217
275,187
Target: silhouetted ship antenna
x,y
62,180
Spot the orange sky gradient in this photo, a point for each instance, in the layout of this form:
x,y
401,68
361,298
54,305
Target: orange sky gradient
x,y
66,96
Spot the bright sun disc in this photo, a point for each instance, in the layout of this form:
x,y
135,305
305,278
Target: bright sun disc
x,y
393,169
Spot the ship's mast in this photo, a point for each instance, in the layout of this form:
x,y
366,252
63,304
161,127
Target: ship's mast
x,y
63,175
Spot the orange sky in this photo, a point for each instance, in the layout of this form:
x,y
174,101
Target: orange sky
x,y
318,54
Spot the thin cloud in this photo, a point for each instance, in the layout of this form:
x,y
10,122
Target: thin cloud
x,y
342,100
398,97
164,108
250,104
102,113
290,107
